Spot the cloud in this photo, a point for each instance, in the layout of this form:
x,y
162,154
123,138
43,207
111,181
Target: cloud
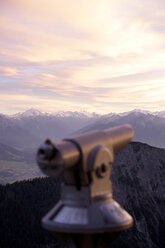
x,y
82,54
146,76
8,71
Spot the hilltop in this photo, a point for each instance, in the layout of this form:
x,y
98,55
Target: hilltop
x,y
138,184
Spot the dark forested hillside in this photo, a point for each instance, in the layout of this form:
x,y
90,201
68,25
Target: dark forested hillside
x,y
138,182
21,207
138,177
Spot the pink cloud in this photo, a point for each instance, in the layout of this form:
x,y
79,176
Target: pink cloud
x,y
8,71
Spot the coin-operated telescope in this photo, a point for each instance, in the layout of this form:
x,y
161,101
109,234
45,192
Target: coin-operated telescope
x,y
86,215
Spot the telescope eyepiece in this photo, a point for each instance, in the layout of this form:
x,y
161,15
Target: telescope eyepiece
x,y
47,151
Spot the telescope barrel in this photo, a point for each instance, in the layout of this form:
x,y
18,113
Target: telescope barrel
x,y
54,159
120,136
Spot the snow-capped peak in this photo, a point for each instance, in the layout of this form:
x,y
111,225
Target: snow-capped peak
x,y
76,114
137,111
160,114
28,113
31,112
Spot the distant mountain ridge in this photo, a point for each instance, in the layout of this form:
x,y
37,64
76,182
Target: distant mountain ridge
x,y
32,127
148,128
28,113
35,112
55,126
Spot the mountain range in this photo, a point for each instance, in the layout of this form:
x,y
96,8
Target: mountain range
x,y
30,128
148,127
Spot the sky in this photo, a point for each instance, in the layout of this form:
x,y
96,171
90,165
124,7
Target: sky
x,y
82,55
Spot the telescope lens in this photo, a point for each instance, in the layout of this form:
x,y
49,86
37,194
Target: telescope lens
x,y
103,168
41,153
46,151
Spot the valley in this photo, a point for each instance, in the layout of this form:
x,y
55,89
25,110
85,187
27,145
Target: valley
x,y
12,171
